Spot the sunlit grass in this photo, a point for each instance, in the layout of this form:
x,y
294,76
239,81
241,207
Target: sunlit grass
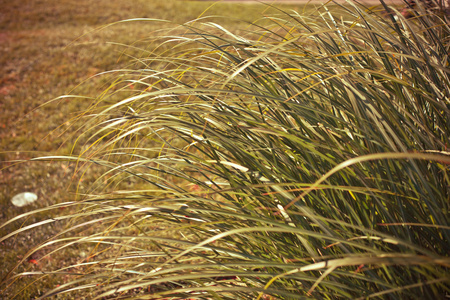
x,y
303,156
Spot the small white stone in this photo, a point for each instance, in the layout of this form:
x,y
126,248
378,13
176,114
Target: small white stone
x,y
23,199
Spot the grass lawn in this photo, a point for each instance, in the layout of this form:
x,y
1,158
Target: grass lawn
x,y
53,48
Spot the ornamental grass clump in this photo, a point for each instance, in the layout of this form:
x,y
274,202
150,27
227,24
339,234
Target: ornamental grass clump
x,y
303,157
